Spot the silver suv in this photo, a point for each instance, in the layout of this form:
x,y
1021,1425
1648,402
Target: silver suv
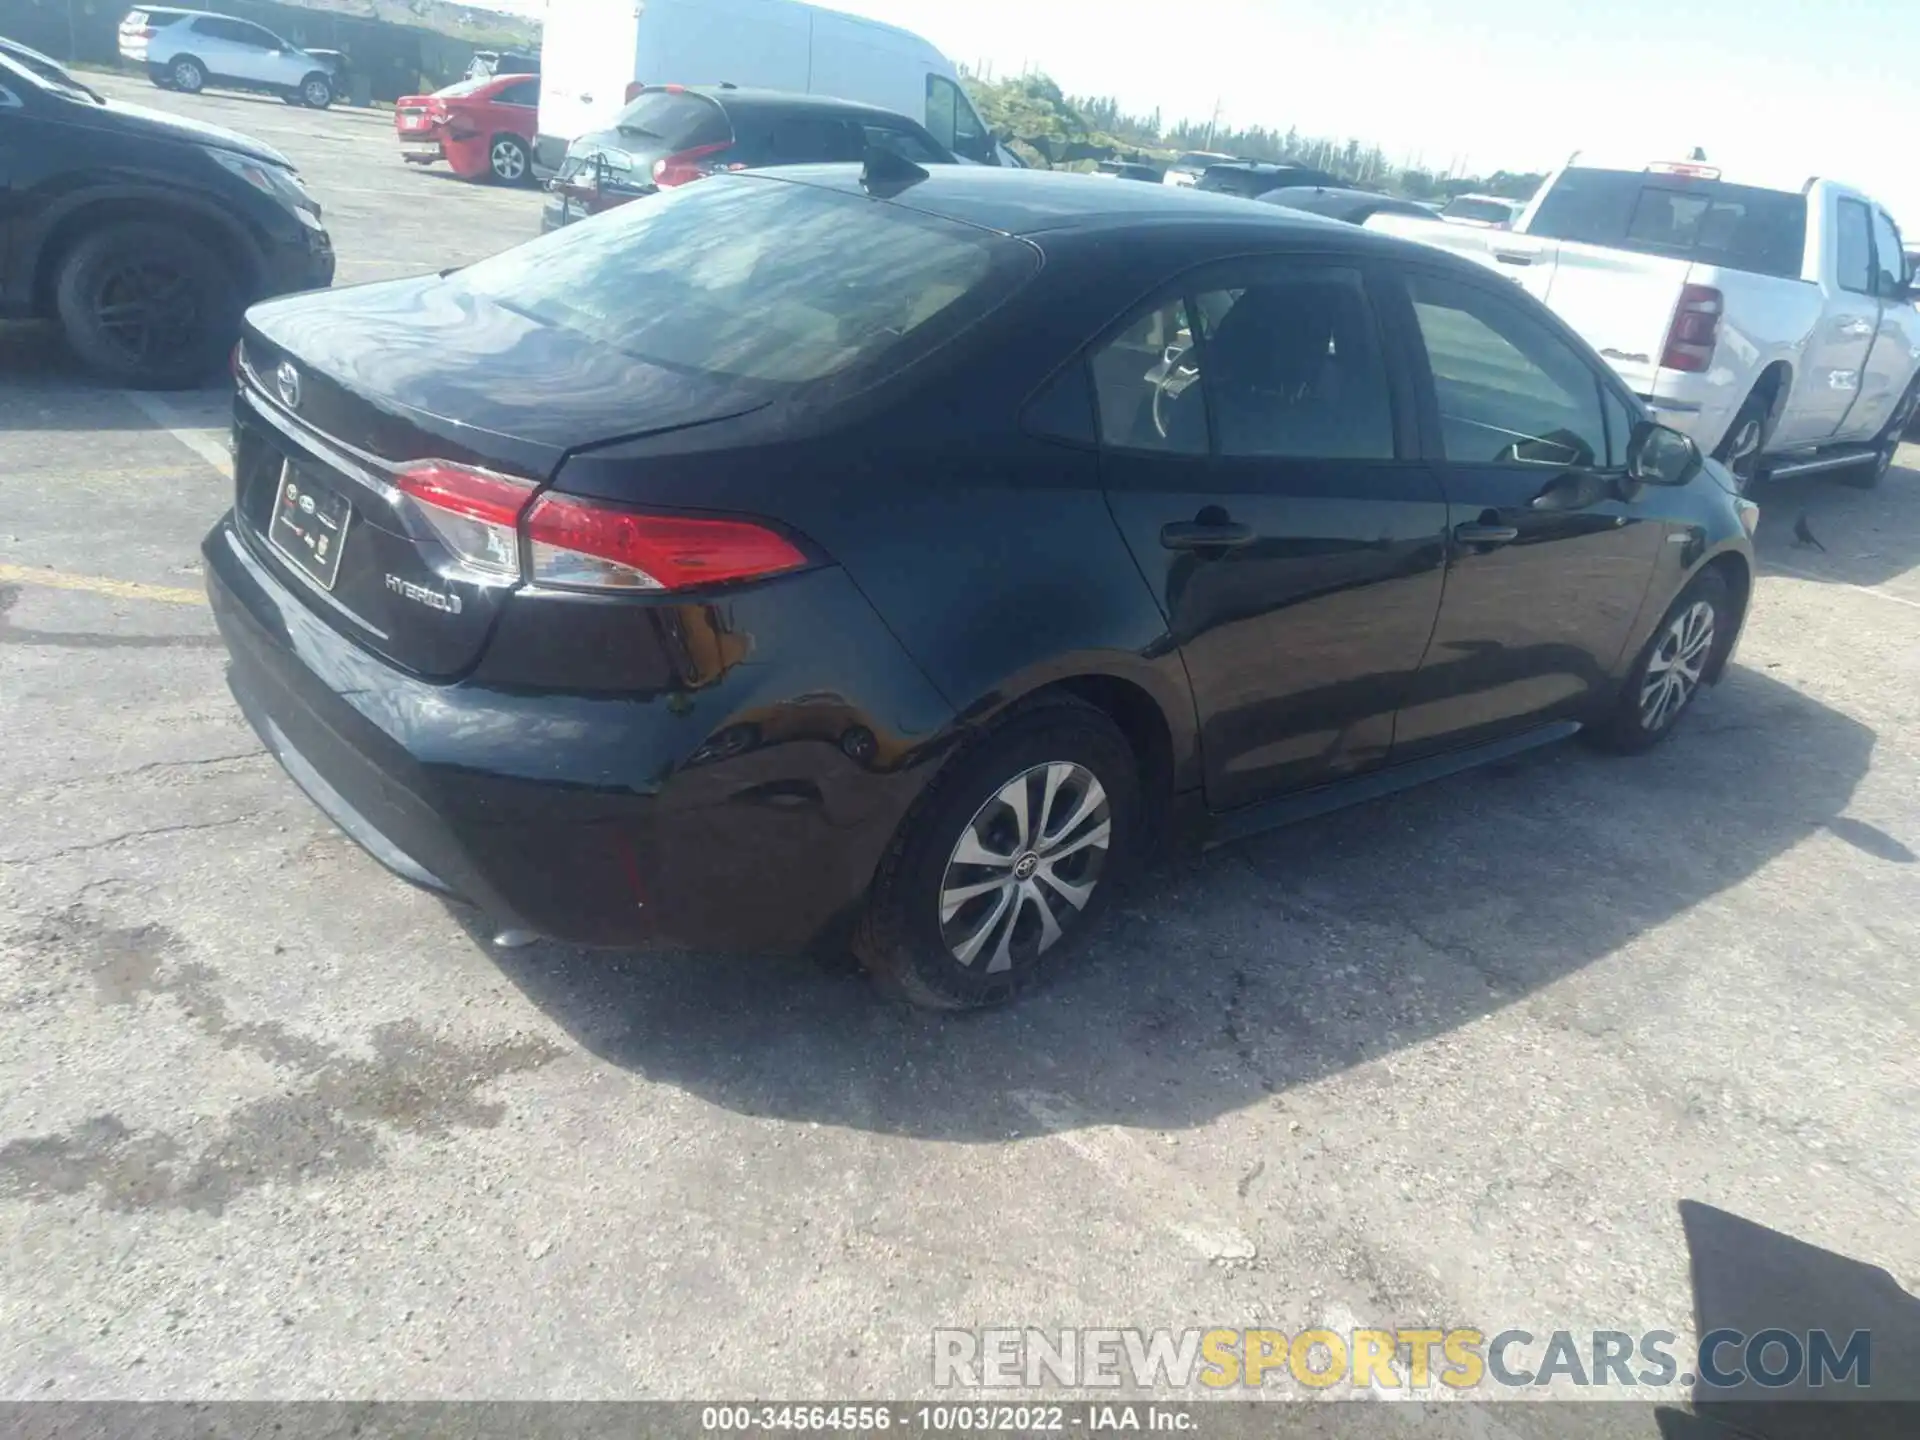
x,y
191,49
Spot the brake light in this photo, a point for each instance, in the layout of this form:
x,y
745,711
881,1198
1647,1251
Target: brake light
x,y
1695,330
687,165
581,545
474,512
578,544
1687,168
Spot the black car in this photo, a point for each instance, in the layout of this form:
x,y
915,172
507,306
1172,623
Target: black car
x,y
1354,207
906,551
1252,178
144,234
44,67
671,134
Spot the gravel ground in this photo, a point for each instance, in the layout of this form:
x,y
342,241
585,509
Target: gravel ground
x,y
274,1125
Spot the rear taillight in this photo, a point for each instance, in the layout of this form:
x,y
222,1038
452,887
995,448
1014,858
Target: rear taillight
x,y
688,165
634,87
1695,330
581,545
474,512
586,546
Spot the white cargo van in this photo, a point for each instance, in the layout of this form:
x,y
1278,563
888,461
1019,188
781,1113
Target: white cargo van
x,y
596,53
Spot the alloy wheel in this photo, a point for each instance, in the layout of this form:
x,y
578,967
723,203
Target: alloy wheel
x,y
150,311
317,94
509,162
1025,866
1675,668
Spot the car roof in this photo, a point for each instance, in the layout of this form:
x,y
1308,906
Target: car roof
x,y
1034,202
744,97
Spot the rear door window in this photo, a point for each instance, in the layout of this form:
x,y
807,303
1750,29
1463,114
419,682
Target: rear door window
x,y
756,279
527,92
1737,226
803,138
1889,261
1853,251
907,144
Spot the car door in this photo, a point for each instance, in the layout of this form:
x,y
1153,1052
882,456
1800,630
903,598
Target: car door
x,y
1843,337
1259,456
1896,343
271,60
518,104
215,40
1548,562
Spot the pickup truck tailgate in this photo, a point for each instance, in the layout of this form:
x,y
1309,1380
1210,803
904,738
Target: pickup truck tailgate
x,y
1621,303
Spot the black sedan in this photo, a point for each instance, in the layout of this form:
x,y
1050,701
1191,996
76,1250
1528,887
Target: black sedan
x,y
909,550
145,235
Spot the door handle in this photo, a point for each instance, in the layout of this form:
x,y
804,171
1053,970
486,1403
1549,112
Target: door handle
x,y
1194,535
1474,533
1512,257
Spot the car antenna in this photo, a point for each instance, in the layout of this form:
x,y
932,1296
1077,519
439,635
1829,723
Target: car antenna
x,y
887,172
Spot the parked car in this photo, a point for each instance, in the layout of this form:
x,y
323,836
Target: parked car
x,y
1354,207
1774,325
1488,212
1130,170
833,546
143,234
1188,169
596,58
482,128
672,134
487,63
1253,178
188,50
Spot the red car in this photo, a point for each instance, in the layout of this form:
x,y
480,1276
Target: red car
x,y
482,128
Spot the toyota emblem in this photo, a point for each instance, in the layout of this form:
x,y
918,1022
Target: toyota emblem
x,y
287,379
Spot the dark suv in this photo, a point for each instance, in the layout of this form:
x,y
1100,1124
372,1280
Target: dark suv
x,y
145,236
670,134
1252,178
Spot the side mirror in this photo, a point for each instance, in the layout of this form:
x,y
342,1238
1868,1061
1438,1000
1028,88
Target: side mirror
x,y
1659,456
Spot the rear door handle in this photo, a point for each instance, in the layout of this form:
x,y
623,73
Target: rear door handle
x,y
1193,535
1512,257
1473,533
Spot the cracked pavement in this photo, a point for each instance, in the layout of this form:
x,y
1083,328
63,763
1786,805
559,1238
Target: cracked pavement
x,y
274,1125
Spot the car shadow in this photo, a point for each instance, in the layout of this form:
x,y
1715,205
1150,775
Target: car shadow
x,y
1871,536
1264,965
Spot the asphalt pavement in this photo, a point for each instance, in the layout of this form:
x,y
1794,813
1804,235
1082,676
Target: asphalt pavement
x,y
273,1124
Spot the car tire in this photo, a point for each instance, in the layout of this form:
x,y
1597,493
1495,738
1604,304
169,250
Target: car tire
x,y
1887,444
316,91
147,305
1683,650
1054,793
186,75
508,162
1746,439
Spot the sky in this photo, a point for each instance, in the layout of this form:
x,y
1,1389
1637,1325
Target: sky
x,y
1779,89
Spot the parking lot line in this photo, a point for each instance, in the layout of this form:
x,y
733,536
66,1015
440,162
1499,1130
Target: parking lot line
x,y
1774,567
100,585
176,425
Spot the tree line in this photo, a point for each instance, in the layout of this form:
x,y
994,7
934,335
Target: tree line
x,y
1053,129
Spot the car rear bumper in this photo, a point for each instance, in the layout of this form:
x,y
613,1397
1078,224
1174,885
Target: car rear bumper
x,y
562,813
1699,406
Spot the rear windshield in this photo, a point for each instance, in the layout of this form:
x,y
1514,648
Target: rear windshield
x,y
462,87
674,122
1709,221
757,279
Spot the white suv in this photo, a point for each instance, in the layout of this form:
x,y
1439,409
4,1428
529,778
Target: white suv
x,y
190,49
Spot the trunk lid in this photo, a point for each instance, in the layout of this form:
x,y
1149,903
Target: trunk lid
x,y
340,391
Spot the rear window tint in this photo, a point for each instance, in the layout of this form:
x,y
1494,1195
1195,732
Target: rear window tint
x,y
758,280
1709,221
463,87
675,122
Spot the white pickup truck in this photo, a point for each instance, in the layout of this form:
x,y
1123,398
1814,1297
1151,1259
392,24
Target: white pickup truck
x,y
1777,327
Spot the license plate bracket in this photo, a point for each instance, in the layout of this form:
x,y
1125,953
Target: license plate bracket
x,y
309,526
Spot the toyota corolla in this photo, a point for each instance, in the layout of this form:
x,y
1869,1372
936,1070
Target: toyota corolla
x,y
902,553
